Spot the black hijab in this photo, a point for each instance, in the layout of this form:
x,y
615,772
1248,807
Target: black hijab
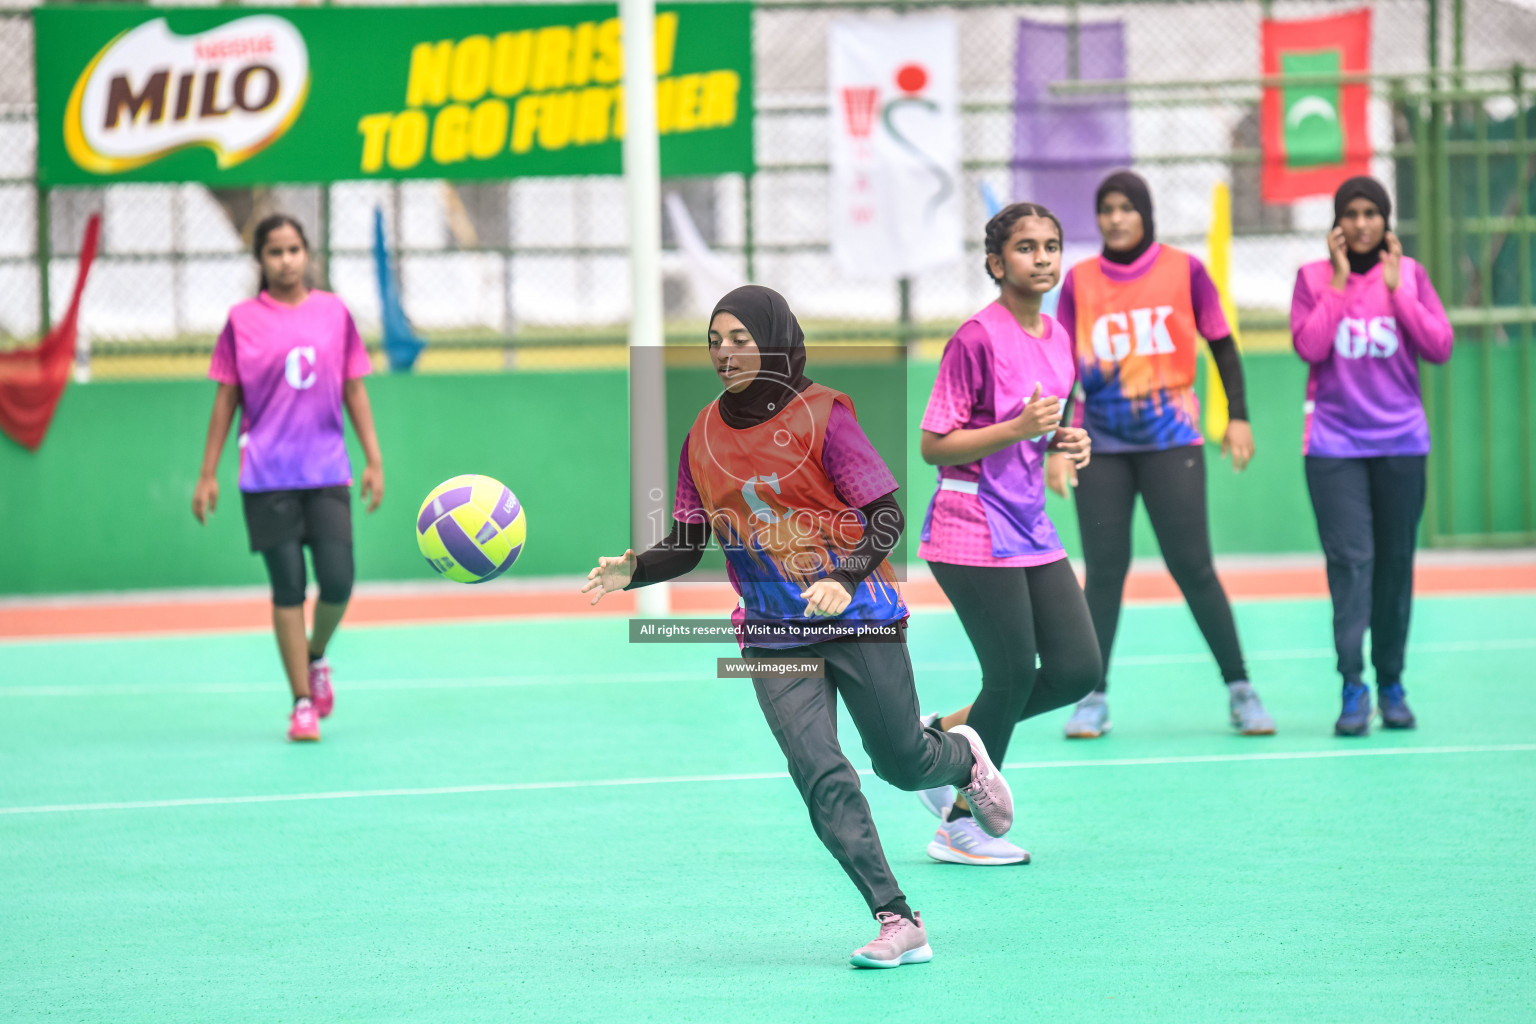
x,y
1133,187
767,317
1362,187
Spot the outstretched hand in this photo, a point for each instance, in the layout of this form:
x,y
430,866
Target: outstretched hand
x,y
611,574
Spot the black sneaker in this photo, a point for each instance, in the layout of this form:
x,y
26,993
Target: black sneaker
x,y
1355,719
1395,712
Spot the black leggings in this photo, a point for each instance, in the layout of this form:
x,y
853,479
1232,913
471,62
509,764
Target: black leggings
x,y
333,568
1172,484
1011,614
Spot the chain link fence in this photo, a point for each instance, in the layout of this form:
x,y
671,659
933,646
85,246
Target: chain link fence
x,y
533,272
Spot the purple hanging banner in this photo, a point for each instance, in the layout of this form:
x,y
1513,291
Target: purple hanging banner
x,y
1063,146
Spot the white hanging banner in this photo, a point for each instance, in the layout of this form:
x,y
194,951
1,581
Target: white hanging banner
x,y
896,206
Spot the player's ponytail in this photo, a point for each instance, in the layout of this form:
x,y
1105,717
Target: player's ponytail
x,y
264,231
1001,226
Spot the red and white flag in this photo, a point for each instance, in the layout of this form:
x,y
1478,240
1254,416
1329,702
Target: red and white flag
x,y
896,185
32,380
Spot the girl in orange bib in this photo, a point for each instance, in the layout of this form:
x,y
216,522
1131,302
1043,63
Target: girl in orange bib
x,y
1136,314
778,470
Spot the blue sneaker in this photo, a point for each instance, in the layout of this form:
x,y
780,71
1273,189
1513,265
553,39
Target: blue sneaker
x,y
939,799
963,842
1395,712
1355,719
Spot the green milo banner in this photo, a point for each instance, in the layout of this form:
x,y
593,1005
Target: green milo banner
x,y
255,95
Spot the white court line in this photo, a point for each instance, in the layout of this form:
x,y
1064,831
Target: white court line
x,y
361,686
512,787
566,679
1292,755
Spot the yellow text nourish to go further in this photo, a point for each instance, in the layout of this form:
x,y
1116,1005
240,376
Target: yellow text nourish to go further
x,y
546,88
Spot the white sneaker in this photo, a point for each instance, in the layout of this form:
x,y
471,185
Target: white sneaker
x,y
963,842
1090,719
900,942
988,795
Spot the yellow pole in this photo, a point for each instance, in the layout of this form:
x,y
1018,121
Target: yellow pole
x,y
1219,263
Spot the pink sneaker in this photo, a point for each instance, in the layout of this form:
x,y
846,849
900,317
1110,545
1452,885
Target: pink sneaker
x,y
900,942
988,794
320,687
305,723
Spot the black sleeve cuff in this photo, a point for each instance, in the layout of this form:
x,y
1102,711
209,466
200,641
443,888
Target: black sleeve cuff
x,y
677,555
883,523
1229,367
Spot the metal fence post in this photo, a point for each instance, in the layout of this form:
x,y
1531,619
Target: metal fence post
x,y
325,237
44,252
1523,208
1074,42
904,317
1458,34
749,233
1432,31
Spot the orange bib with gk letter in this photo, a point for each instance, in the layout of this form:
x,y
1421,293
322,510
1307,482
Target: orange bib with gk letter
x,y
1136,353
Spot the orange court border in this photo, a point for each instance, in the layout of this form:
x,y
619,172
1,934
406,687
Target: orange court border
x,y
80,616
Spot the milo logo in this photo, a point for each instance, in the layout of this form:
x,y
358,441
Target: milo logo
x,y
235,89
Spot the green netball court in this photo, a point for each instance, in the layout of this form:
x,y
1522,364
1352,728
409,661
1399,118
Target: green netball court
x,y
535,821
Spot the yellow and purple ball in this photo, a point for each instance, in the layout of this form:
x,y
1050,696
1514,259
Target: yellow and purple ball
x,y
471,529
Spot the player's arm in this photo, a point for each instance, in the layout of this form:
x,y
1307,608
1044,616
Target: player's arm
x,y
883,523
205,496
1040,416
1238,440
677,555
1070,451
361,411
1315,318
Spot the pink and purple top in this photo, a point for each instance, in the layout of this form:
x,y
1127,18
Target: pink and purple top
x,y
858,474
1116,422
1364,345
291,364
992,512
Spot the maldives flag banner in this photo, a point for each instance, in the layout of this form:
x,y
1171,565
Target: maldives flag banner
x,y
1314,134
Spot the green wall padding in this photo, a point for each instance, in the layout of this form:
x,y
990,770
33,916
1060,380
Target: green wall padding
x,y
106,504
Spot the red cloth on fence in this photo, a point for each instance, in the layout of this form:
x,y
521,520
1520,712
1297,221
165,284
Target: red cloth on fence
x,y
32,380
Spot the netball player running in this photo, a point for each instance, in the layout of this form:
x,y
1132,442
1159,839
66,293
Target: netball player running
x,y
1135,312
290,358
779,470
995,409
1362,319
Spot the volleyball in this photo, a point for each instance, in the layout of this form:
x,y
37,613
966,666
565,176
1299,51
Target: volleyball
x,y
471,528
